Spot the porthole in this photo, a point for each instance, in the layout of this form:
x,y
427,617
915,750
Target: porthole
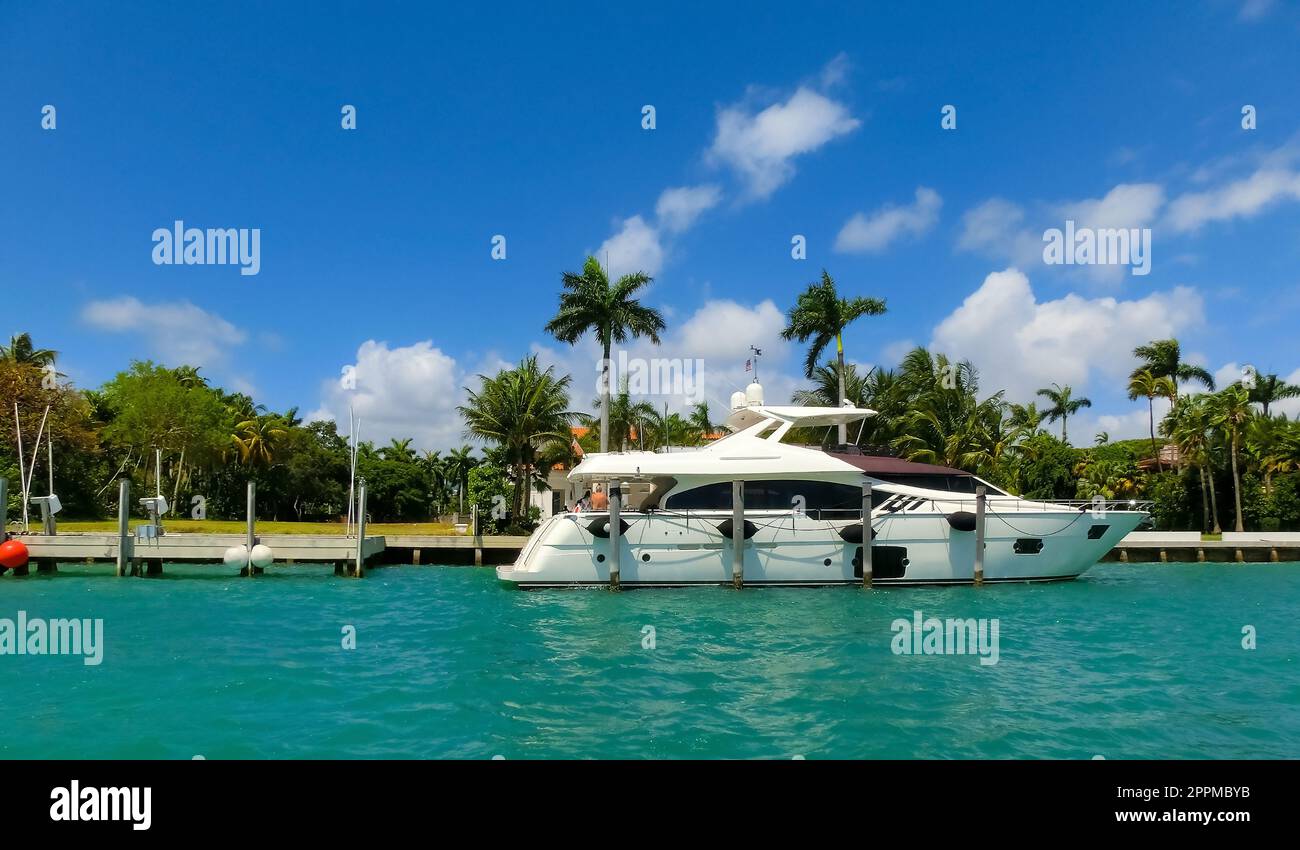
x,y
646,556
600,559
827,562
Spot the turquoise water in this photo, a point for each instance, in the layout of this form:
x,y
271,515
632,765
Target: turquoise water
x,y
1132,661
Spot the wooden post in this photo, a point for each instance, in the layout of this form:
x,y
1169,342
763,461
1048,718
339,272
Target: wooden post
x,y
361,530
615,533
738,534
415,557
981,496
124,541
250,536
866,534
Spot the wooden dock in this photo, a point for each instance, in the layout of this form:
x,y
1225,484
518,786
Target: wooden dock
x,y
147,556
1187,546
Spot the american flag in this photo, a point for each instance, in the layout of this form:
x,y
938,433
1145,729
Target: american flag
x,y
748,364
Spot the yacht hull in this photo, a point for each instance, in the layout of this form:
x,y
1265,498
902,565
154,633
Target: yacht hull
x,y
671,550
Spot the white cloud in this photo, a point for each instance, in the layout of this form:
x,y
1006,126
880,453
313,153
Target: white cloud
x,y
1132,424
1127,205
836,71
409,391
761,146
1253,10
178,332
863,233
1226,374
997,227
634,248
1022,344
1241,198
679,208
719,334
894,353
1289,406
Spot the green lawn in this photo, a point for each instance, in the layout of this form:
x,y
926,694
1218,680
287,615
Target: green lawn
x,y
214,526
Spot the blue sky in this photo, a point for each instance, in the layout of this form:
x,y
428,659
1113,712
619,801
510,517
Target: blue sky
x,y
815,120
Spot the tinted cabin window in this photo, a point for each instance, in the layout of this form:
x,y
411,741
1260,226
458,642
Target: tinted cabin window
x,y
770,496
951,483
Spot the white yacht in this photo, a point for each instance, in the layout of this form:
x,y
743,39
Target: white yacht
x,y
800,515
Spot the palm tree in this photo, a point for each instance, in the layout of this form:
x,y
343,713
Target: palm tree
x,y
1064,405
241,405
1163,358
189,377
1102,438
1269,389
821,315
256,438
670,429
398,450
591,303
521,410
1143,384
1025,417
1188,425
943,421
830,386
1229,412
700,420
20,350
456,467
1272,443
626,417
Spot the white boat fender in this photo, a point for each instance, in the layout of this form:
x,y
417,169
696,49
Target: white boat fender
x,y
962,520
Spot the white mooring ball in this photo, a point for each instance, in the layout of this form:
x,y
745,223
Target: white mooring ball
x,y
263,556
236,556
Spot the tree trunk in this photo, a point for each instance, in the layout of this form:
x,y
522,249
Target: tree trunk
x,y
1065,437
839,350
1151,418
1205,501
520,492
604,400
1214,502
1236,482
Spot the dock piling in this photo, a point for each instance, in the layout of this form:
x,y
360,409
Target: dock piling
x,y
866,534
360,571
250,537
738,534
615,533
981,496
124,541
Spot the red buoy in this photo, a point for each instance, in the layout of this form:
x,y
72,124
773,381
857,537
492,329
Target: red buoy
x,y
13,554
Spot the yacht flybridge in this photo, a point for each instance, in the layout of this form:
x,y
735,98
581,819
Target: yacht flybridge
x,y
749,508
